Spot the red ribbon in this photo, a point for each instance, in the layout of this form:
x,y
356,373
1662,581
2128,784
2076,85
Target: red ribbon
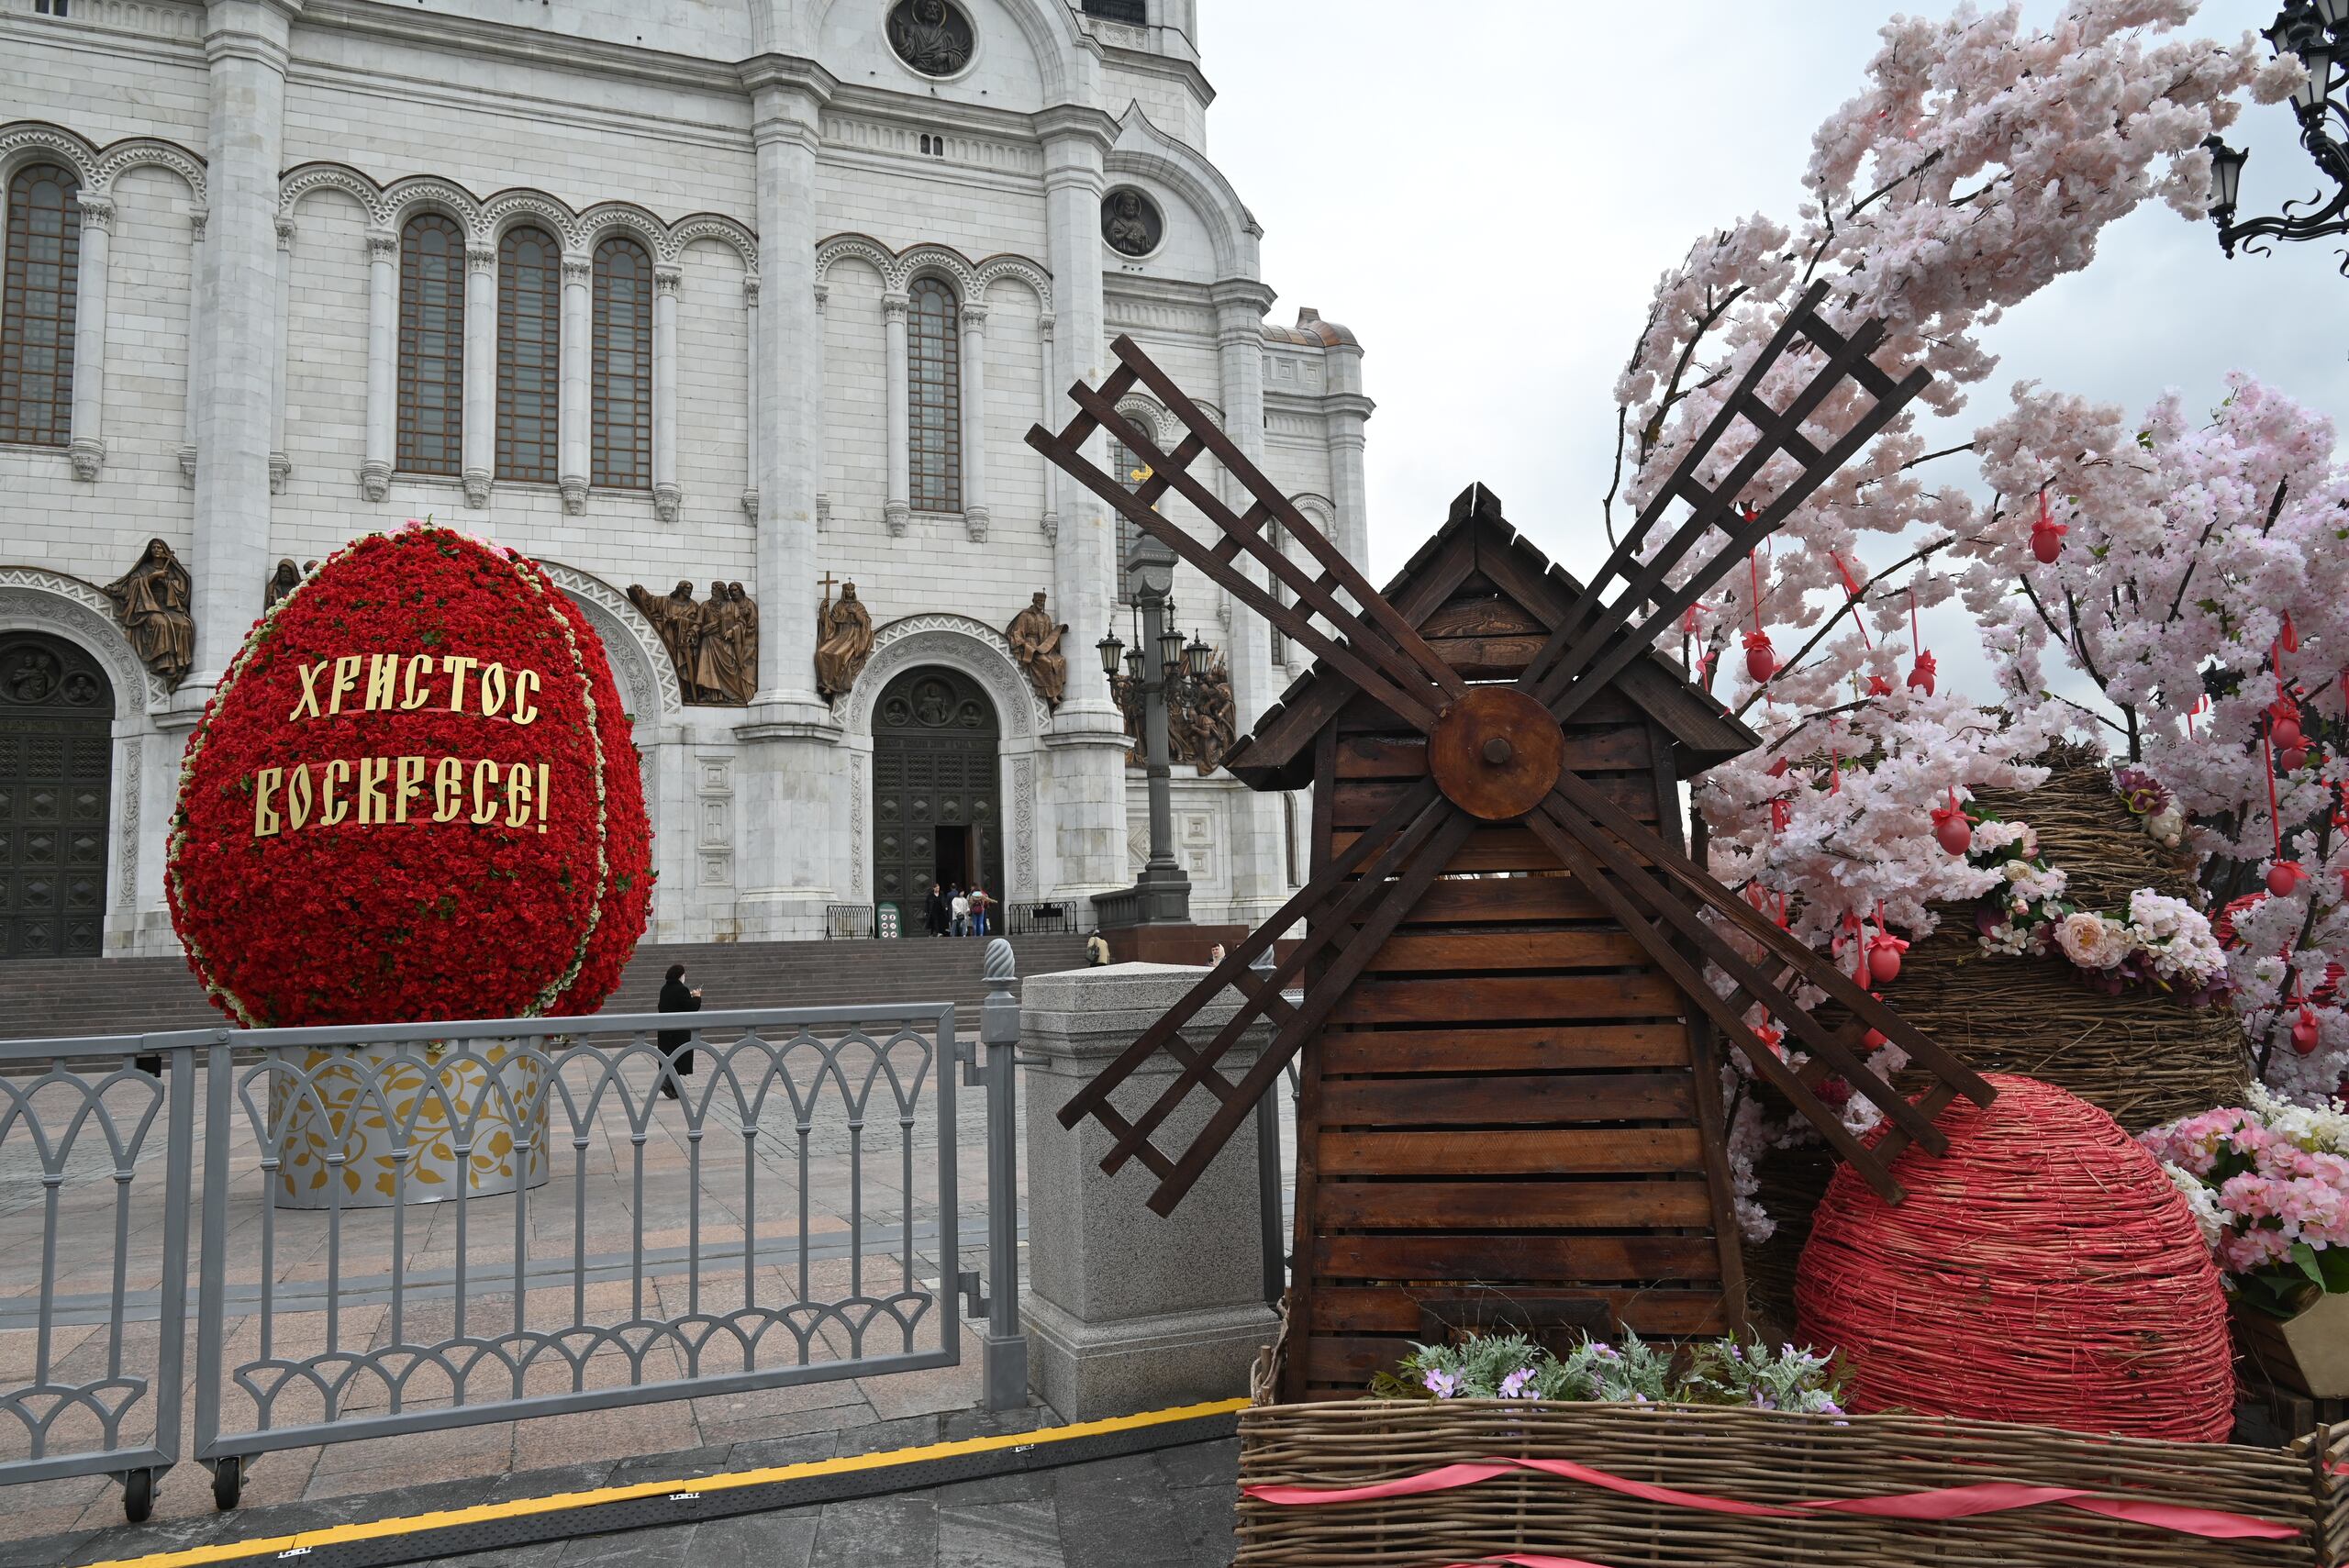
x,y
1852,588
1940,1504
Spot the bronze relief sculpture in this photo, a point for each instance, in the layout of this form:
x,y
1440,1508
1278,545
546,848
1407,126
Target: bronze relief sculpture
x,y
843,640
154,601
1035,640
712,645
930,36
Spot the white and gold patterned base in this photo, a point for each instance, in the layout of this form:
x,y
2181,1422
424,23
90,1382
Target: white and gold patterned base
x,y
343,1113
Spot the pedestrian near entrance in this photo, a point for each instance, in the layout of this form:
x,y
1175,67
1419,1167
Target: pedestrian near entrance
x,y
934,912
1096,950
980,904
960,905
676,997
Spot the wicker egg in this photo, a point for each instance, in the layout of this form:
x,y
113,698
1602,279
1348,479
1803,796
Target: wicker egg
x,y
412,796
2044,1271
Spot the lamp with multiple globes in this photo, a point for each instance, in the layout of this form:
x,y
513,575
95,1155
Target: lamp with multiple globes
x,y
2317,31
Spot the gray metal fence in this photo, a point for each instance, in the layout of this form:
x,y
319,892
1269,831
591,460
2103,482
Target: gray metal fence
x,y
417,1227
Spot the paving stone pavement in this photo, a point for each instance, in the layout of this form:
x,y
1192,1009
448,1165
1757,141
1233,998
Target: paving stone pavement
x,y
1170,1508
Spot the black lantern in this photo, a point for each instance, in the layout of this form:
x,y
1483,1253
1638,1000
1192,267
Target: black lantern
x,y
1196,657
2317,31
1111,650
1170,642
1133,663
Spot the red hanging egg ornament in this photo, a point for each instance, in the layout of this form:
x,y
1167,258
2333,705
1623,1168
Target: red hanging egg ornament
x,y
1874,1039
1880,686
2293,758
2047,535
2283,731
1761,658
1921,677
1884,956
1950,828
2306,1032
2284,877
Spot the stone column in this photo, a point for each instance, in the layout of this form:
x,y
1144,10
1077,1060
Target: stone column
x,y
667,279
794,822
1089,738
1347,410
480,372
573,471
1259,869
245,51
974,419
1126,1311
88,451
199,222
383,365
281,467
751,344
897,510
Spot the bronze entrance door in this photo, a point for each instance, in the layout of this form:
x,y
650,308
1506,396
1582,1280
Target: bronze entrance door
x,y
935,803
56,753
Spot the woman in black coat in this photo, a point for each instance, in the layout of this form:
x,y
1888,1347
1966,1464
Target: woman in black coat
x,y
676,997
934,917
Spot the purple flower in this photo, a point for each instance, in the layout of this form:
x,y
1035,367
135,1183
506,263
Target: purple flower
x,y
1517,1384
1442,1384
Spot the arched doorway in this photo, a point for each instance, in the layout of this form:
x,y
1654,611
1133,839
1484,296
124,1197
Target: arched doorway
x,y
935,792
56,758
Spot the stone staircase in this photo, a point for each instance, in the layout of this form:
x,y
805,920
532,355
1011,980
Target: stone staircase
x,y
51,998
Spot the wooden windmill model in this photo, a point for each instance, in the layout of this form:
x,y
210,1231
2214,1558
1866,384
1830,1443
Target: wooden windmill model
x,y
1510,1090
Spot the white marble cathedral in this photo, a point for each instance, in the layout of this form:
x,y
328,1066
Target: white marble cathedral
x,y
751,292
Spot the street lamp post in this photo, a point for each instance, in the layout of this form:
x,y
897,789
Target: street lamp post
x,y
2318,32
1161,895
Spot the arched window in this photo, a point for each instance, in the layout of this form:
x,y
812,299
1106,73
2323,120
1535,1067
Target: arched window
x,y
529,370
432,346
44,259
1127,467
620,414
934,363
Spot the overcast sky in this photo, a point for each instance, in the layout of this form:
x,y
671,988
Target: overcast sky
x,y
1487,190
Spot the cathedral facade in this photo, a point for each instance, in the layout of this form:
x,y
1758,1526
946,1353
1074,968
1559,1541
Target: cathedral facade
x,y
717,309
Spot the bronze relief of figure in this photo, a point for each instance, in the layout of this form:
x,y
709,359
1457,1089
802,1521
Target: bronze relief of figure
x,y
930,36
718,670
676,621
844,642
742,627
281,581
1035,640
1129,224
154,602
1213,717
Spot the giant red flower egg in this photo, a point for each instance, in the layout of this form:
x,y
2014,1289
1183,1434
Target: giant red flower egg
x,y
412,796
2044,1270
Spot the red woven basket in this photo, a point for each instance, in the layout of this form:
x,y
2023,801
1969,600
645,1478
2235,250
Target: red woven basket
x,y
2044,1270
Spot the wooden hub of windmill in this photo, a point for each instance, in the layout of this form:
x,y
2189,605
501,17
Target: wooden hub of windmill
x,y
1495,753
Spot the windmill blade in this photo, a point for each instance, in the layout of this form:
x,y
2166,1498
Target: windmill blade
x,y
1729,1019
1779,943
1093,1098
1567,657
1330,920
1064,450
1395,901
1336,569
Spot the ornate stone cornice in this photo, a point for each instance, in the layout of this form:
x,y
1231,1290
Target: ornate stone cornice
x,y
97,211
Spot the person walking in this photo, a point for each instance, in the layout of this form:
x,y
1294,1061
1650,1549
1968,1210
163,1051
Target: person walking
x,y
979,902
1096,950
934,912
676,997
960,904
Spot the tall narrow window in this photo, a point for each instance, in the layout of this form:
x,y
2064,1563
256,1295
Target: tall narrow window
x,y
432,346
621,417
934,361
530,372
44,261
1130,472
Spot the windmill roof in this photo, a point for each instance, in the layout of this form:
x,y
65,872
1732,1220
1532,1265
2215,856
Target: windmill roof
x,y
1477,542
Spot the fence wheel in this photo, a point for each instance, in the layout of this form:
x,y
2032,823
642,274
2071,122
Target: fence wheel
x,y
138,1495
227,1482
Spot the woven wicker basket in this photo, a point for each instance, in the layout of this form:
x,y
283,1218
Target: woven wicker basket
x,y
2144,1057
1762,1457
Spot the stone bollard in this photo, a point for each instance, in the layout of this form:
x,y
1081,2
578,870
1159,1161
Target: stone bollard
x,y
1127,1311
